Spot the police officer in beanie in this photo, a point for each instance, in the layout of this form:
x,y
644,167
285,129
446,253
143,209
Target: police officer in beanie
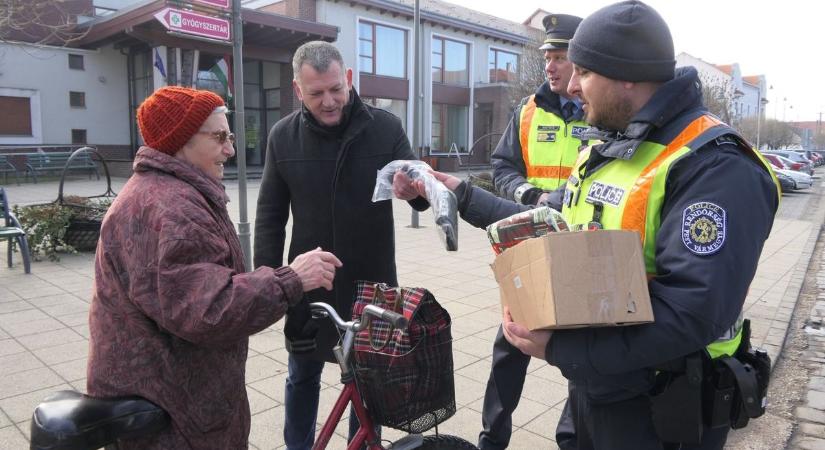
x,y
534,156
541,142
703,202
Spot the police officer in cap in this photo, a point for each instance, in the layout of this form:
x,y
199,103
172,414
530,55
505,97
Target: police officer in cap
x,y
535,156
541,142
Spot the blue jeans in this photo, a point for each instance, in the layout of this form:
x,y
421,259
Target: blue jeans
x,y
303,387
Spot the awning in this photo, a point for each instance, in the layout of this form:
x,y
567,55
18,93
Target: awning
x,y
265,35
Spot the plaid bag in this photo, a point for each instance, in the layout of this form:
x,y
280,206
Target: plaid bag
x,y
405,376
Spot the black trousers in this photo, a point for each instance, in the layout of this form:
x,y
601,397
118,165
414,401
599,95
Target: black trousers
x,y
503,392
624,425
582,425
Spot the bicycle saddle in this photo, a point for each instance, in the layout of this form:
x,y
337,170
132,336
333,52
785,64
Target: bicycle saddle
x,y
69,420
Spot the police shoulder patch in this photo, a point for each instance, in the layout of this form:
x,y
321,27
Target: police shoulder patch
x,y
704,228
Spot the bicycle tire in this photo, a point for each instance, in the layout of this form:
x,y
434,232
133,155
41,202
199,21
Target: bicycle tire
x,y
446,442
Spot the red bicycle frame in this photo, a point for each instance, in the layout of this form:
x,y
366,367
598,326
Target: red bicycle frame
x,y
366,432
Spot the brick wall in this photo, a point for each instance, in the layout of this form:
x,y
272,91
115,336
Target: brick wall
x,y
300,9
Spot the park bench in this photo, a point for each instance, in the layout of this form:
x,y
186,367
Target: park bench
x,y
40,163
6,167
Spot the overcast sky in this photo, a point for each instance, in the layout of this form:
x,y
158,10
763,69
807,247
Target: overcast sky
x,y
782,40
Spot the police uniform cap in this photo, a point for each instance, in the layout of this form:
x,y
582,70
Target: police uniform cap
x,y
559,29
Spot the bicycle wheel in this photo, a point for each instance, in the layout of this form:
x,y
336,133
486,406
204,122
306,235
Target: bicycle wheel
x,y
445,442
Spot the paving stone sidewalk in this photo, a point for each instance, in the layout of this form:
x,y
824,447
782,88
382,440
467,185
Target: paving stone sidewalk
x,y
810,434
44,332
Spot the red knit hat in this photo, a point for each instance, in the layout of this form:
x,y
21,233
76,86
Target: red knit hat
x,y
172,115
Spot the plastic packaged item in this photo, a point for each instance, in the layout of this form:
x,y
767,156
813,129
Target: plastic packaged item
x,y
525,225
442,200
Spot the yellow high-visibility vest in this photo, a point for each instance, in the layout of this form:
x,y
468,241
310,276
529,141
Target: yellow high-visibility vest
x,y
549,145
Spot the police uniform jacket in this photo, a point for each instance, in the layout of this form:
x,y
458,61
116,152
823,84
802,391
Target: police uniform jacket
x,y
695,296
509,170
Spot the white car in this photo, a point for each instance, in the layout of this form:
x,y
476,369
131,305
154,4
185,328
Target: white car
x,y
801,180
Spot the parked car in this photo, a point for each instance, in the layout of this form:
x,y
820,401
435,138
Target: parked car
x,y
806,165
800,180
776,161
815,157
786,183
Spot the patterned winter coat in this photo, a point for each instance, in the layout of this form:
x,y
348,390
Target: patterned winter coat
x,y
173,308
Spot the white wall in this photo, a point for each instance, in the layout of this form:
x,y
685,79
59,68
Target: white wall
x,y
346,17
750,100
45,70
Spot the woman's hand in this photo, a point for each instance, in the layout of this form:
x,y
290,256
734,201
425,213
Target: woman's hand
x,y
316,268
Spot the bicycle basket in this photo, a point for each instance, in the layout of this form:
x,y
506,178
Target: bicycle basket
x,y
405,377
84,226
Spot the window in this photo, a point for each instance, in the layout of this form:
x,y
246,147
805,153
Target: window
x,y
395,106
449,126
503,66
78,136
77,99
213,75
450,62
15,116
382,50
76,62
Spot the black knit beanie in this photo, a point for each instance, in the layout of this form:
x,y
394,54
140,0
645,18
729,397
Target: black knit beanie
x,y
626,41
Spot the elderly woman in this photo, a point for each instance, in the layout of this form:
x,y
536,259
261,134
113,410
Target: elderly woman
x,y
173,305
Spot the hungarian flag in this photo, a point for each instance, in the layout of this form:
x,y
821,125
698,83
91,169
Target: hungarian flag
x,y
224,74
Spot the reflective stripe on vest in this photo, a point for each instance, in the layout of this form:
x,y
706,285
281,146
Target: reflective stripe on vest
x,y
548,147
632,193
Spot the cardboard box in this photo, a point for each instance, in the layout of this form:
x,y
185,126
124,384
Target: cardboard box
x,y
575,279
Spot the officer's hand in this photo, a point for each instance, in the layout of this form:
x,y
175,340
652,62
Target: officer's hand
x,y
543,198
404,188
531,343
316,269
450,181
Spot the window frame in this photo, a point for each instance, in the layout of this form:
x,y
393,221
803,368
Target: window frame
x,y
444,39
13,128
77,57
441,110
374,45
85,134
77,95
495,51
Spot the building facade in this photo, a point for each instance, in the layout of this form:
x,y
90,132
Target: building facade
x,y
744,96
86,91
468,60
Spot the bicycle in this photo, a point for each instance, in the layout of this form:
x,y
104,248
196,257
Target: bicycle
x,y
69,420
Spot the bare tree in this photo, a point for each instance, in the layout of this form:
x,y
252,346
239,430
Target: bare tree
x,y
773,134
718,98
531,73
52,22
776,134
819,141
748,129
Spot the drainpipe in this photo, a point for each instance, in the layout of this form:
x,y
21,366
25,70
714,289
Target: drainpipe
x,y
131,95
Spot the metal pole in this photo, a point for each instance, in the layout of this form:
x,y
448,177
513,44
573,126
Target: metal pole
x,y
416,97
240,130
758,119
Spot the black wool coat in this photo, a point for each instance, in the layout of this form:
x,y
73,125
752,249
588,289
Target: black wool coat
x,y
326,177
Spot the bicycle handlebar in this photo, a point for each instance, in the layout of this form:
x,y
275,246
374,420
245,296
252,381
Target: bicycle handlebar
x,y
397,320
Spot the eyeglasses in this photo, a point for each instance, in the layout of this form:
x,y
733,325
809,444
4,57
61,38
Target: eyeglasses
x,y
222,136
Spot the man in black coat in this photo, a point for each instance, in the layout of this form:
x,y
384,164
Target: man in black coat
x,y
322,161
